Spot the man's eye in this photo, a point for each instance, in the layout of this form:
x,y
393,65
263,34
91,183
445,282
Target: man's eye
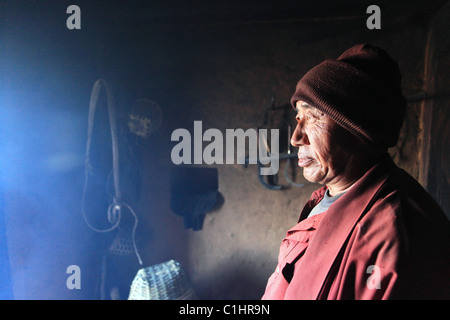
x,y
316,117
319,115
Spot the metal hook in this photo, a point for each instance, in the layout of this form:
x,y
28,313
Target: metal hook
x,y
273,179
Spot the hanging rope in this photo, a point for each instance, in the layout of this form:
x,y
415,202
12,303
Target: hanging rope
x,y
114,211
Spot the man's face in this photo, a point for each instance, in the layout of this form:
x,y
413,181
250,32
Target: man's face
x,y
324,147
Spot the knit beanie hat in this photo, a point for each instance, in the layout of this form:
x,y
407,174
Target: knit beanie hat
x,y
361,91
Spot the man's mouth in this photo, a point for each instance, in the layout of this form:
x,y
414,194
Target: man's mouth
x,y
304,161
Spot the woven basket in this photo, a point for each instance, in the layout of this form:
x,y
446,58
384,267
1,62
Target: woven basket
x,y
164,281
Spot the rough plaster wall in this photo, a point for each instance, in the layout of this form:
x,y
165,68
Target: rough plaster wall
x,y
236,251
435,115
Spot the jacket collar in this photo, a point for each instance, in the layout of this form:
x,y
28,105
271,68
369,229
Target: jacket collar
x,y
312,202
335,228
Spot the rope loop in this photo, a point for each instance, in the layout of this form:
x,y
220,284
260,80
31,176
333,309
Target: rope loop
x,y
114,211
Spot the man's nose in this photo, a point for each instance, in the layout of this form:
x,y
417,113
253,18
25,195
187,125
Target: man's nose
x,y
299,136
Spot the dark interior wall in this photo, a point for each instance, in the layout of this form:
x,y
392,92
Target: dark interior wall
x,y
434,174
218,64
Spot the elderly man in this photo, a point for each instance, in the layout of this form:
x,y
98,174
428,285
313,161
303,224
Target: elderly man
x,y
371,232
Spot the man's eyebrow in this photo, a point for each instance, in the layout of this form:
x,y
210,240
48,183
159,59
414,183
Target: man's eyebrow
x,y
304,105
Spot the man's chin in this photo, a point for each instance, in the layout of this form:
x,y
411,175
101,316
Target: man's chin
x,y
312,177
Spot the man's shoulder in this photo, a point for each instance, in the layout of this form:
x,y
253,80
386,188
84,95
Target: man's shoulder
x,y
403,203
412,196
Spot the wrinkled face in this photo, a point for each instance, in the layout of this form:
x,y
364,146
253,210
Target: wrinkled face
x,y
324,147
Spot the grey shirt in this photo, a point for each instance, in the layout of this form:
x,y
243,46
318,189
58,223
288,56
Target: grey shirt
x,y
324,204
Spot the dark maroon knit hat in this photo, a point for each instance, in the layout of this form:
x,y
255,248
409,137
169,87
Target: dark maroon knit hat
x,y
361,91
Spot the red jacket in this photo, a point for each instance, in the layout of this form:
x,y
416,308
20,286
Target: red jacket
x,y
385,238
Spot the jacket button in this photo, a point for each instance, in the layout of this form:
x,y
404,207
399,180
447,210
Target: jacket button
x,y
363,229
